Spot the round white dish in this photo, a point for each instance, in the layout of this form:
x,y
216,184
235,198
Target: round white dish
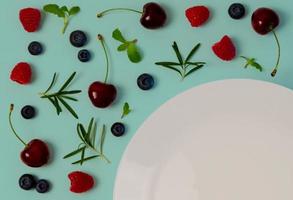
x,y
226,140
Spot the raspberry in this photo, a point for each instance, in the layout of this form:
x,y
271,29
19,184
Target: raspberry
x,y
197,15
30,19
225,49
21,73
80,182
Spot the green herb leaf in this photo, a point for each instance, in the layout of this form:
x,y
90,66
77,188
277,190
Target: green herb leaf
x,y
185,66
126,110
62,12
68,107
64,9
73,153
132,50
82,156
80,135
193,70
162,64
68,81
133,53
52,83
117,35
88,143
85,159
192,52
59,109
54,9
69,98
102,139
74,10
168,63
54,98
251,62
178,54
123,47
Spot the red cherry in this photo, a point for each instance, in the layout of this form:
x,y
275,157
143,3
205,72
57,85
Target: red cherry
x,y
153,15
35,154
101,94
264,20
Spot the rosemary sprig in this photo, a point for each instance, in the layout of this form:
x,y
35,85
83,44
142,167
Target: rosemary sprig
x,y
88,141
59,98
183,67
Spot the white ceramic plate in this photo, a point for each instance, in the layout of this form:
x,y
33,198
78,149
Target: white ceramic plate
x,y
227,140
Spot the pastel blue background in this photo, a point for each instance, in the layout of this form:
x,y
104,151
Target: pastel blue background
x,y
60,57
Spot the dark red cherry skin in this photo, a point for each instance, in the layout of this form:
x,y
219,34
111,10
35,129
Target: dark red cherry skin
x,y
101,94
35,154
264,20
153,17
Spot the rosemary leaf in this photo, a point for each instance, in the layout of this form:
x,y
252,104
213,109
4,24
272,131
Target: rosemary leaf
x,y
80,134
69,98
192,52
178,54
169,67
85,159
69,92
169,63
67,82
193,70
102,139
68,107
73,153
52,83
82,157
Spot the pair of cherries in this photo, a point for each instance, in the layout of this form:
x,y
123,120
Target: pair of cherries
x,y
103,94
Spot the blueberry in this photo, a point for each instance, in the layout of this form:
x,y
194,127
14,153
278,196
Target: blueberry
x,y
118,129
145,82
27,182
28,112
42,186
84,55
78,38
35,48
236,11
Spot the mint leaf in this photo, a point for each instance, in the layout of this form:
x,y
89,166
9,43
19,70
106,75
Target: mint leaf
x,y
74,10
64,9
123,47
117,35
126,110
133,53
54,9
251,62
61,12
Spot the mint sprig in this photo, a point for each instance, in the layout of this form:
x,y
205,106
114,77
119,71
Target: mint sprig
x,y
59,98
62,12
88,142
183,67
129,46
252,63
126,110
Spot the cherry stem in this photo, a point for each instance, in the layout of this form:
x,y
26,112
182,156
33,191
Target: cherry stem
x,y
11,125
101,39
275,70
99,15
